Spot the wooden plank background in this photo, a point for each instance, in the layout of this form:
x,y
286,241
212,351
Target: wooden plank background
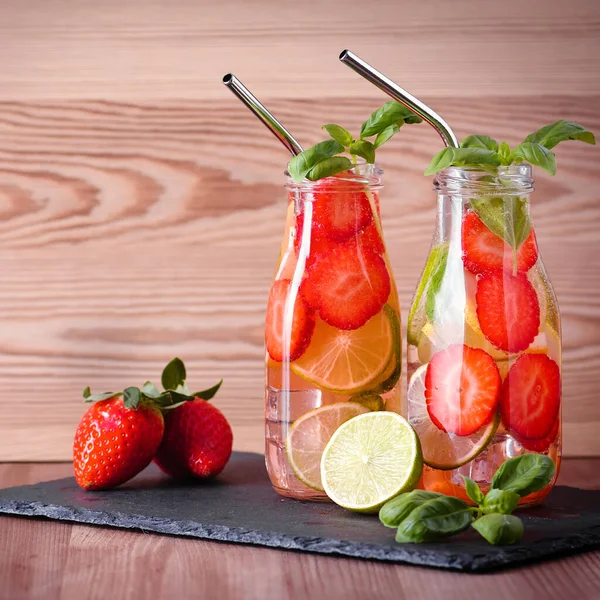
x,y
141,207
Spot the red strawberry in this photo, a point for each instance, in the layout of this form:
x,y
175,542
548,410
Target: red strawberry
x,y
462,389
542,445
484,251
348,285
197,441
508,310
370,238
302,326
113,443
341,208
531,396
319,246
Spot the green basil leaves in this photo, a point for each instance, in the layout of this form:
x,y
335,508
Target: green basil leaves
x,y
324,160
421,516
483,151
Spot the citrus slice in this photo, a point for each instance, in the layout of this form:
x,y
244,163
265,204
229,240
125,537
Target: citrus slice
x,y
347,362
416,316
371,459
309,435
443,450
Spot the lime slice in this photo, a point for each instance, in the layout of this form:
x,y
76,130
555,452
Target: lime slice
x,y
443,450
371,459
309,435
348,362
417,314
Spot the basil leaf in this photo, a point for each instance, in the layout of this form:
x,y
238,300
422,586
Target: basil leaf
x,y
505,154
500,501
390,113
435,282
524,474
473,490
551,135
328,167
208,393
365,149
386,134
537,155
480,141
506,216
459,157
499,529
393,512
338,133
132,397
173,374
301,165
436,518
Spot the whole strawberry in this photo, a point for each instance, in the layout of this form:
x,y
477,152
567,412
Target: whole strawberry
x,y
198,439
116,438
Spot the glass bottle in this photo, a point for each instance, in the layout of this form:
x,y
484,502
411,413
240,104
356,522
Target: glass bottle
x,y
333,341
484,338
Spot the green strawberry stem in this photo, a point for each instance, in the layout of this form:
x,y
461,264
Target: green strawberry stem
x,y
176,391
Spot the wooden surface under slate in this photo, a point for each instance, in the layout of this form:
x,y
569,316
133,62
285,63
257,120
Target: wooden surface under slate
x,y
142,209
45,559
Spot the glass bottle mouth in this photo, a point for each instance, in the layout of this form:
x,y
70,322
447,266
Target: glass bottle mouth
x,y
367,174
513,180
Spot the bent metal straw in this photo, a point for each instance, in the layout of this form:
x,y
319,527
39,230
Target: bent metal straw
x,y
399,94
252,102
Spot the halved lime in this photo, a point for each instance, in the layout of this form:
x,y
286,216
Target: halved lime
x,y
371,459
309,435
443,450
348,362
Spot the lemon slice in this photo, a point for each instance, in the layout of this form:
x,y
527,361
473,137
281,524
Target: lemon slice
x,y
309,435
347,362
371,459
443,450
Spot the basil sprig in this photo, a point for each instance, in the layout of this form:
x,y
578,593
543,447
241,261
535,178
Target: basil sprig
x,y
421,516
483,151
324,159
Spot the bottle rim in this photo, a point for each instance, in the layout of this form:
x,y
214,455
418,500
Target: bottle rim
x,y
367,174
512,180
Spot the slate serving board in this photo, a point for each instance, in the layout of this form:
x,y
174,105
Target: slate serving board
x,y
241,507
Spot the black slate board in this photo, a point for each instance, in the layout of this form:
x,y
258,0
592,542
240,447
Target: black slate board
x,y
242,507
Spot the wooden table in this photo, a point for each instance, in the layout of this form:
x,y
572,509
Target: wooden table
x,y
51,560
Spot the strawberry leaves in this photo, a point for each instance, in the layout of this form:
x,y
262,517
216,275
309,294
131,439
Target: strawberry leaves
x,y
175,392
481,150
324,160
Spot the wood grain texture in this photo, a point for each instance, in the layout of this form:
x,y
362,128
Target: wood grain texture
x,y
179,48
141,207
58,561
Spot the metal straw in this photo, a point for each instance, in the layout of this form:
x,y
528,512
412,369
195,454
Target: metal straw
x,y
397,93
252,102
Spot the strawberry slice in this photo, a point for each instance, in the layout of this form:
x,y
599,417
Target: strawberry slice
x,y
302,326
341,208
319,246
462,389
542,445
484,251
348,285
531,396
508,310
